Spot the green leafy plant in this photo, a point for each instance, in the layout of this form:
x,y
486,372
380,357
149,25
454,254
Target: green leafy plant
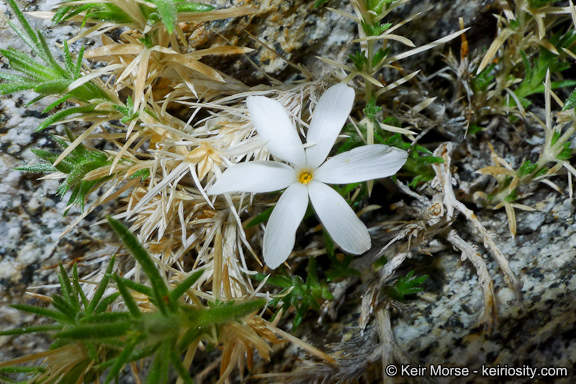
x,y
419,160
102,339
570,102
46,77
70,309
546,61
404,286
340,266
299,293
76,165
540,3
153,11
556,150
319,3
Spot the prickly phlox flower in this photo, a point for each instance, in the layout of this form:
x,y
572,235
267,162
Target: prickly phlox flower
x,y
308,173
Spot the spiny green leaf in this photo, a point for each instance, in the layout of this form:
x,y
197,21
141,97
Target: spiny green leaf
x,y
101,287
35,100
42,167
32,37
20,62
45,155
406,286
181,288
109,12
279,281
106,317
380,262
81,191
426,160
57,103
167,11
566,152
571,102
75,374
33,329
52,87
189,336
261,218
299,315
77,288
78,67
375,29
529,74
474,129
303,294
55,66
340,267
418,179
14,78
224,313
21,369
526,168
540,3
144,289
61,304
86,109
345,189
159,287
67,58
159,371
59,14
555,136
67,289
122,359
27,40
6,89
359,59
128,299
127,111
371,109
136,355
95,331
513,196
329,244
482,81
44,312
379,56
142,174
106,302
182,372
553,85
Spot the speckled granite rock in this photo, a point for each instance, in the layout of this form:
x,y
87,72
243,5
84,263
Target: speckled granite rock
x,y
30,213
541,332
291,30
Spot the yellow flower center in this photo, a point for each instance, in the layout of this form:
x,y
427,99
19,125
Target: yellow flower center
x,y
305,177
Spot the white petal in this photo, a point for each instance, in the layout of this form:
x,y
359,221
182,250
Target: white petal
x,y
360,164
280,232
254,176
329,117
339,219
276,129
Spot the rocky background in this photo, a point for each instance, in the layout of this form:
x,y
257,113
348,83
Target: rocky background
x,y
440,326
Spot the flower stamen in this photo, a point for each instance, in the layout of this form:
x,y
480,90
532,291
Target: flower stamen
x,y
305,177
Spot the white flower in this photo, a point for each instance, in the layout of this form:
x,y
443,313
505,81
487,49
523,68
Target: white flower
x,y
308,173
